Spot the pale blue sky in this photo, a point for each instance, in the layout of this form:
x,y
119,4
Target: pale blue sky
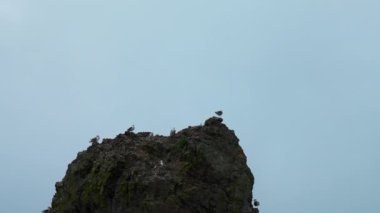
x,y
299,82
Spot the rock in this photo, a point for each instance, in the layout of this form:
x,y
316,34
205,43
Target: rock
x,y
144,134
58,185
198,169
213,121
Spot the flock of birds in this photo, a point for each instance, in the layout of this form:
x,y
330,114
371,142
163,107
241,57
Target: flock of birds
x,y
132,128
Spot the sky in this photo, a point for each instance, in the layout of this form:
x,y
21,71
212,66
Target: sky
x,y
298,81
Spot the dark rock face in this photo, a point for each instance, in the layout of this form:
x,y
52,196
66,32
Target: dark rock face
x,y
199,169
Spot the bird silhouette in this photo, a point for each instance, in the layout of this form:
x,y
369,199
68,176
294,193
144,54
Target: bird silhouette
x,y
130,129
256,203
95,140
172,132
219,113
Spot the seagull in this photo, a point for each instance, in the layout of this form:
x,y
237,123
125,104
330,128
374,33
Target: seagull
x,y
130,129
219,113
256,203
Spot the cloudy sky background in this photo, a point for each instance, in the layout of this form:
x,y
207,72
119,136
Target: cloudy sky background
x,y
298,80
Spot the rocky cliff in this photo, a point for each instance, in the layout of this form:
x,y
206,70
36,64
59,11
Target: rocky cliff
x,y
198,169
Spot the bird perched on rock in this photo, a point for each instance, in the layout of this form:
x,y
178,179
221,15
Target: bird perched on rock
x,y
46,210
256,203
172,132
219,113
95,140
130,129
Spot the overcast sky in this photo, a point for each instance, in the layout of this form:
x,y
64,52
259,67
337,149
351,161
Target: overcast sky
x,y
298,80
